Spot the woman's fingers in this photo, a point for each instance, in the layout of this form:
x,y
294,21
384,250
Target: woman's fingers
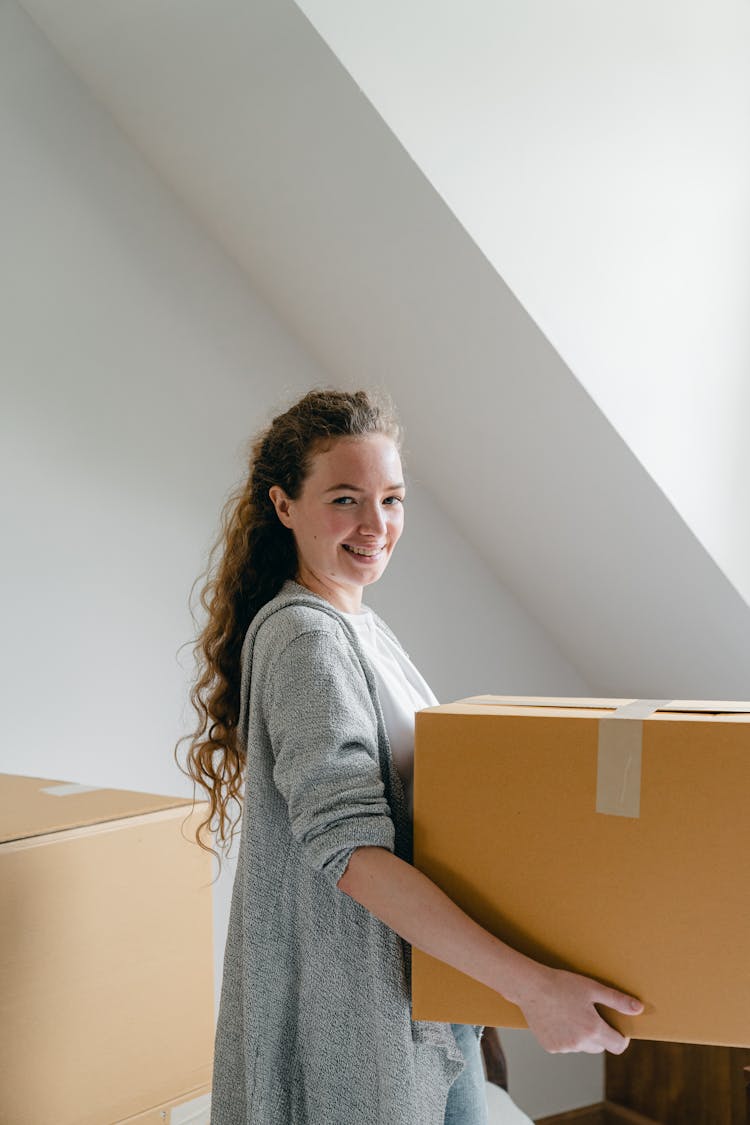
x,y
613,1042
620,1001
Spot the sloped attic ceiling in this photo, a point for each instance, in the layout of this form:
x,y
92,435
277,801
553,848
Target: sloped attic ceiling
x,y
252,121
595,152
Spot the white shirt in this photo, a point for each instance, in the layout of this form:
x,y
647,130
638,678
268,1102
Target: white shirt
x,y
402,692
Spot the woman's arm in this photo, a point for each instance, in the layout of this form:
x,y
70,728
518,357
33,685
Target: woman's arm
x,y
558,1005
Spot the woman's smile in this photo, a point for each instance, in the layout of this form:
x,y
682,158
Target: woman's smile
x,y
364,554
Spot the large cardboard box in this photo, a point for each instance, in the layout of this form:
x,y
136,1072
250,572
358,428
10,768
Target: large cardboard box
x,y
606,836
106,956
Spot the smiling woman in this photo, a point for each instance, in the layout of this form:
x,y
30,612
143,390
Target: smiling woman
x,y
309,697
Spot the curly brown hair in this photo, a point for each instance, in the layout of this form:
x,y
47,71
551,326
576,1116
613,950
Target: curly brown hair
x,y
256,555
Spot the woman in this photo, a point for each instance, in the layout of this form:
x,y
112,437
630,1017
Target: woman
x,y
311,698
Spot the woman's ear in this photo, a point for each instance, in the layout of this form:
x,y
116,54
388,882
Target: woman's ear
x,y
281,503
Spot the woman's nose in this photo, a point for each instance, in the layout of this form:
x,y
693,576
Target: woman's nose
x,y
374,519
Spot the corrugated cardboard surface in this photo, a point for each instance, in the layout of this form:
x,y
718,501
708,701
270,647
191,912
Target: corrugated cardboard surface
x,y
505,822
31,806
106,960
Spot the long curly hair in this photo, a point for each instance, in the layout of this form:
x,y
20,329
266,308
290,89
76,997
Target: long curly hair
x,y
252,557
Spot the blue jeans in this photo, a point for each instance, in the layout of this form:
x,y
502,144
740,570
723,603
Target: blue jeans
x,y
467,1104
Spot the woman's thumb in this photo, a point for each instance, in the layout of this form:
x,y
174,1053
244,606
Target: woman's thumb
x,y
620,1001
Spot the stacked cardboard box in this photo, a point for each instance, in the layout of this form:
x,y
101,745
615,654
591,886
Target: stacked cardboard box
x,y
106,961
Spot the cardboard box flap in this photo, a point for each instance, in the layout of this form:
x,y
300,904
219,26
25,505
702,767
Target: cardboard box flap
x,y
33,806
620,733
710,706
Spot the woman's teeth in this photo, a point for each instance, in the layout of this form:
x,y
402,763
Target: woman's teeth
x,y
363,554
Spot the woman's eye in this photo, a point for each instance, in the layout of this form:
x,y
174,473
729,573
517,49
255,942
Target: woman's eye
x,y
340,498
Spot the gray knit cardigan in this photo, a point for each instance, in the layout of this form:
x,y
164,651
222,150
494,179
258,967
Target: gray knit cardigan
x,y
314,1024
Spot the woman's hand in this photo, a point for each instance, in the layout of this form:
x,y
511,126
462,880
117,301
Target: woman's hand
x,y
559,1009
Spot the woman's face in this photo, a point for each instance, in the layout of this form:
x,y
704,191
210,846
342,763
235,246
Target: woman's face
x,y
353,497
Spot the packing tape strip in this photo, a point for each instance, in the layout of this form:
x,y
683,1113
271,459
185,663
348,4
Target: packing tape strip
x,y
618,768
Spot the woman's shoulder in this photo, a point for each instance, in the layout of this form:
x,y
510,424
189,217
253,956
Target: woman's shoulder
x,y
296,643
283,623
287,617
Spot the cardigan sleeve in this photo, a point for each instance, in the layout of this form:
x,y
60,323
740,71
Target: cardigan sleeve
x,y
323,732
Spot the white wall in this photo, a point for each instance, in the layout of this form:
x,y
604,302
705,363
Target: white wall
x,y
136,363
597,154
252,121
